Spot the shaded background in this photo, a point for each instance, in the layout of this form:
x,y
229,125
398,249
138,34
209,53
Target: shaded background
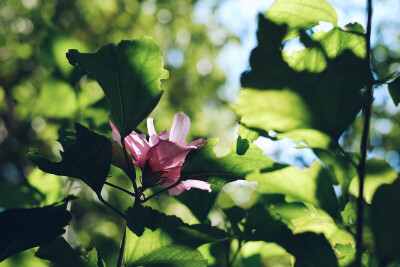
x,y
206,46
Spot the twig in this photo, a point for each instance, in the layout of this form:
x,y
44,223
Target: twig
x,y
162,190
120,188
122,250
364,141
110,206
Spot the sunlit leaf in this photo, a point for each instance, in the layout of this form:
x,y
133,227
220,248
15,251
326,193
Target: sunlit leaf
x,y
300,14
378,172
21,229
309,249
203,164
311,185
61,253
129,75
89,159
157,248
139,218
385,222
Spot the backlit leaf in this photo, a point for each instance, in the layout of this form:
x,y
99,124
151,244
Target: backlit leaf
x,y
129,75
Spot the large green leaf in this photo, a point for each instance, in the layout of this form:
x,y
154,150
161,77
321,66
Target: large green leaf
x,y
61,253
378,172
129,75
157,248
282,98
139,218
385,222
203,164
311,185
309,249
88,159
299,14
21,229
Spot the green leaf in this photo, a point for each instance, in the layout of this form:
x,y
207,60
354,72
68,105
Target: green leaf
x,y
118,159
310,185
21,195
385,222
129,75
158,249
203,164
378,172
283,99
309,249
21,229
299,14
394,90
61,253
89,159
139,218
246,136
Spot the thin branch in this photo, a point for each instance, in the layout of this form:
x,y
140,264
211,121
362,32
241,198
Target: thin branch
x,y
120,188
364,141
110,206
162,190
122,250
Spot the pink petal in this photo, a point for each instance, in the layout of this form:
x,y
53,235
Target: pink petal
x,y
150,127
138,146
196,144
180,128
115,134
164,135
166,155
188,184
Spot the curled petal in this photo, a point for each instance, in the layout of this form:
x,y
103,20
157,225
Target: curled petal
x,y
115,134
138,146
180,128
188,184
196,144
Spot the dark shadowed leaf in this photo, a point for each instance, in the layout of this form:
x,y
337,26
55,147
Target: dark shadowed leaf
x,y
385,222
309,249
282,98
61,253
139,218
394,90
129,75
88,159
21,229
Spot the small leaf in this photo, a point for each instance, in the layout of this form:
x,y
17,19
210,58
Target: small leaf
x,y
21,229
89,159
118,159
158,249
299,14
378,172
312,185
139,218
394,90
129,75
385,222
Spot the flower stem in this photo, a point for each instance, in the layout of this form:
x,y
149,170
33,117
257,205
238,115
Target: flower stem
x,y
122,250
364,141
110,206
120,188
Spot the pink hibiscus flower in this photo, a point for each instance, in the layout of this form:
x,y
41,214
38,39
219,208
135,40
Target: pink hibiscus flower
x,y
160,158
